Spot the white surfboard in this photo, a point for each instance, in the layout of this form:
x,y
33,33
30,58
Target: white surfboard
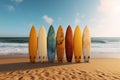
x,y
86,44
42,44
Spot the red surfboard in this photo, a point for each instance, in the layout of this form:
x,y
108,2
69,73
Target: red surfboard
x,y
69,44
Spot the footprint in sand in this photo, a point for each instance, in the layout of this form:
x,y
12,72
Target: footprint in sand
x,y
59,72
73,77
21,78
102,75
116,77
27,77
46,74
27,71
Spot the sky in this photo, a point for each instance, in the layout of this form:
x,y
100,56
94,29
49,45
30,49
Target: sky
x,y
101,16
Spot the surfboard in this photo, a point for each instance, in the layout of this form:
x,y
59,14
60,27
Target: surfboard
x,y
60,44
86,44
77,41
42,44
51,44
69,44
32,45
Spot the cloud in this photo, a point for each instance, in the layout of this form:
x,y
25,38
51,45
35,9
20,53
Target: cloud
x,y
77,21
60,18
17,1
77,18
49,20
93,20
108,24
78,14
10,8
28,24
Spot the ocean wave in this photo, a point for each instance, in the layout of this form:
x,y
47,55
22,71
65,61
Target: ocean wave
x,y
14,39
20,45
105,40
13,45
11,48
98,41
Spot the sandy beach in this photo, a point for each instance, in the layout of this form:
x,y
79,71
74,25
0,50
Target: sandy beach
x,y
97,69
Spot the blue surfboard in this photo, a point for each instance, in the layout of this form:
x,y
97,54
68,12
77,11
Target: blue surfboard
x,y
51,44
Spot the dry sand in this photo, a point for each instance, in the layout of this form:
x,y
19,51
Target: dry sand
x,y
97,69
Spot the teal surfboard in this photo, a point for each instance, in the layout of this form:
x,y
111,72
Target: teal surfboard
x,y
51,44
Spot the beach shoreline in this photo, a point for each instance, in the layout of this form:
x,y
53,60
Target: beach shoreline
x,y
97,69
93,55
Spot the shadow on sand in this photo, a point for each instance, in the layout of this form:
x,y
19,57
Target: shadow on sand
x,y
28,65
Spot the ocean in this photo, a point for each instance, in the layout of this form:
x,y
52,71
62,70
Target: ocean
x,y
105,47
101,47
13,45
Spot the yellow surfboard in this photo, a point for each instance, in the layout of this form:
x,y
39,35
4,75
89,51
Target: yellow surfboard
x,y
77,44
32,44
60,44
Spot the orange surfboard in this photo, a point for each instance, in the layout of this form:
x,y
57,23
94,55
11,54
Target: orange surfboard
x,y
32,44
60,44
